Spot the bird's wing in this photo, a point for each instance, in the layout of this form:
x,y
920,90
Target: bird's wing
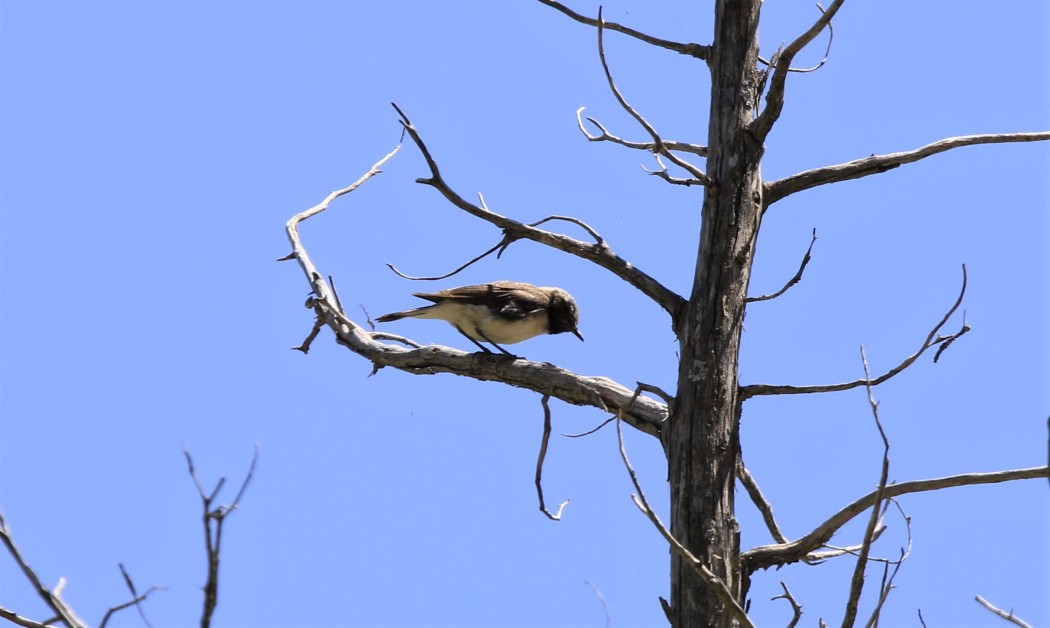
x,y
511,300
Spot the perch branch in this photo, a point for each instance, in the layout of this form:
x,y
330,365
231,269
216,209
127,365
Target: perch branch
x,y
18,620
857,581
775,96
1017,621
709,577
766,556
794,280
875,164
932,339
693,50
658,145
600,254
539,461
681,147
645,414
53,599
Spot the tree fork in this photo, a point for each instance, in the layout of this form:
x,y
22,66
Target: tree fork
x,y
703,440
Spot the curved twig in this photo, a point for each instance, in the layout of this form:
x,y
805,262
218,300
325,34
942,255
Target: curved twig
x,y
600,254
823,60
693,50
796,608
774,191
794,280
539,462
766,556
659,146
932,339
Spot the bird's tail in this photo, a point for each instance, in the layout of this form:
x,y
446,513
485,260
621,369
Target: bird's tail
x,y
396,316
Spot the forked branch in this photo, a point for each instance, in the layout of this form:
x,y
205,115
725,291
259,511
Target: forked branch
x,y
932,339
693,50
782,67
776,190
606,136
545,401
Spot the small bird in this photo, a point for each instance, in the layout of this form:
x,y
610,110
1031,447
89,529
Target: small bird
x,y
501,312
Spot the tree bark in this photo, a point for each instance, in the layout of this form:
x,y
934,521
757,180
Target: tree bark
x,y
703,438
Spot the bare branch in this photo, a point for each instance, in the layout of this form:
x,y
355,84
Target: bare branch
x,y
775,97
601,598
1001,613
764,507
53,599
18,620
857,581
796,608
766,556
666,176
932,339
658,145
794,280
681,147
875,164
600,254
692,50
539,461
708,576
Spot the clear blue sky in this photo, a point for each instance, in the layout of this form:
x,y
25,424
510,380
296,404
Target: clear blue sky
x,y
151,155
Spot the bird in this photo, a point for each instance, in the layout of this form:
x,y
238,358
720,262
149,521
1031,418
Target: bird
x,y
501,312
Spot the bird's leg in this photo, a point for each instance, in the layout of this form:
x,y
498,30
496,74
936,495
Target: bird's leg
x,y
480,346
505,352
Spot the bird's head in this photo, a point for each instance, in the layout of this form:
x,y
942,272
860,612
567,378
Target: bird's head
x,y
563,313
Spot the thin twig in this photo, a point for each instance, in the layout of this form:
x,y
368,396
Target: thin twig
x,y
606,136
932,339
601,598
693,50
857,581
1001,613
136,600
539,462
18,620
659,147
794,280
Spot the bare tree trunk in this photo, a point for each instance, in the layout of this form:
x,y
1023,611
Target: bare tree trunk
x,y
703,440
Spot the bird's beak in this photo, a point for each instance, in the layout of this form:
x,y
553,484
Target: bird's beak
x,y
576,332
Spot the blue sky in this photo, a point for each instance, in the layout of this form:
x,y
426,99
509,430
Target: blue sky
x,y
151,155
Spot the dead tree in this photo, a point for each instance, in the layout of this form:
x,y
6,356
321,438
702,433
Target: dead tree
x,y
698,425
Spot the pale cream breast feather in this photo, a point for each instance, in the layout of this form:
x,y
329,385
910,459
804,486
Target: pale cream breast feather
x,y
474,318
